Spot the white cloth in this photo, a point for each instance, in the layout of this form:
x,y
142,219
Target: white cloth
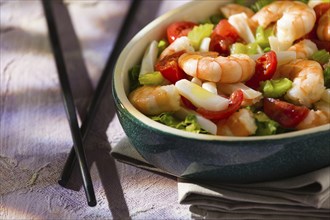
x,y
301,197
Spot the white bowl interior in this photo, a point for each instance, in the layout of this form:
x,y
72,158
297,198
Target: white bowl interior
x,y
133,52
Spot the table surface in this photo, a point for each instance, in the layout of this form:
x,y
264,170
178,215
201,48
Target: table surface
x,y
35,138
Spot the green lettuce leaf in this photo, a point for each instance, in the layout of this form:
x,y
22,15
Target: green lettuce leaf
x,y
188,124
259,4
265,126
133,75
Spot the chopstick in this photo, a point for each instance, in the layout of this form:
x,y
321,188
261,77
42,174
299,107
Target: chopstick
x,y
104,81
69,102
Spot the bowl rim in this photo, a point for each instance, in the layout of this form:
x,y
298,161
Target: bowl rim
x,y
124,105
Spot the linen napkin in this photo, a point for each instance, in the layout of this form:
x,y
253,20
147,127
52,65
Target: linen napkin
x,y
302,197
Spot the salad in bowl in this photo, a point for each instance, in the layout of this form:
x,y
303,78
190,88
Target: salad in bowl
x,y
220,91
244,71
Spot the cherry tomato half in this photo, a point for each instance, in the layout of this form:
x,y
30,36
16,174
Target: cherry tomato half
x,y
226,30
220,45
169,67
236,99
179,29
223,35
188,103
286,114
265,69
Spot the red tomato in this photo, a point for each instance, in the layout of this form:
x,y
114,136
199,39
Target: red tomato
x,y
179,29
223,35
220,45
322,44
169,67
236,99
226,30
286,114
265,69
188,103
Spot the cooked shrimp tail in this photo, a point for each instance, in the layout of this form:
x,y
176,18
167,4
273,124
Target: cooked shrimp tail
x,y
304,49
323,27
241,123
293,20
307,81
209,67
153,100
180,44
232,9
313,119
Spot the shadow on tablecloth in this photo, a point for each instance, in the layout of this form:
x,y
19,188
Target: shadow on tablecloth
x,y
97,146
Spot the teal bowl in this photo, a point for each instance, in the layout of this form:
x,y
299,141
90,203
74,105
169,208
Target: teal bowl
x,y
206,157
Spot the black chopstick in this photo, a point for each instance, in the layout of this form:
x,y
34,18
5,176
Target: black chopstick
x,y
69,102
104,81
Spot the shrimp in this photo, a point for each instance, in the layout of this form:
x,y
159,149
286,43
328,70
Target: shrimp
x,y
293,20
180,44
323,26
308,81
153,100
320,116
210,67
231,9
304,49
241,123
314,119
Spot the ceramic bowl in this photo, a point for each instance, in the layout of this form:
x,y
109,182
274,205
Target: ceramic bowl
x,y
207,157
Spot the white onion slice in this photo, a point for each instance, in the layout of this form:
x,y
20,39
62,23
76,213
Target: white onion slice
x,y
210,86
149,58
205,123
201,97
205,45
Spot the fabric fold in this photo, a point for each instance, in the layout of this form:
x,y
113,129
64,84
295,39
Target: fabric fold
x,y
301,197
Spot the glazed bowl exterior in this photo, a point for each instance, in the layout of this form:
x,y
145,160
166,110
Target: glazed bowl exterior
x,y
207,157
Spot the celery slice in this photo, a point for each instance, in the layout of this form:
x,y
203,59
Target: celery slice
x,y
321,56
275,88
198,33
262,36
162,44
153,78
249,49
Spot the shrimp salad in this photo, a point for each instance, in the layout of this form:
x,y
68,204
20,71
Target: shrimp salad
x,y
261,69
